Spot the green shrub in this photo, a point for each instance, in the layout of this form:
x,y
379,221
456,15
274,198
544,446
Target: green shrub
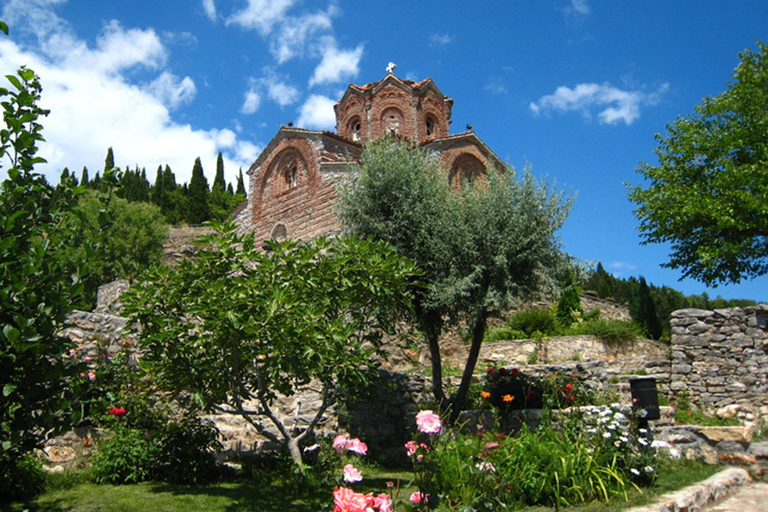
x,y
532,321
186,451
21,478
610,331
503,334
128,456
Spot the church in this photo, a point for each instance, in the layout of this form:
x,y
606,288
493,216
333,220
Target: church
x,y
292,182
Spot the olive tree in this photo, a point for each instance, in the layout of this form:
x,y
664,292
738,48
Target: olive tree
x,y
237,325
483,248
707,195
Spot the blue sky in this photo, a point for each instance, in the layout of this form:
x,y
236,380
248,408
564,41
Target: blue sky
x,y
575,88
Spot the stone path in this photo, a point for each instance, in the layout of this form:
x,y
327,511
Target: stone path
x,y
750,498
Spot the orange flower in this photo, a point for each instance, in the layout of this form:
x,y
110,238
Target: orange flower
x,y
485,394
507,398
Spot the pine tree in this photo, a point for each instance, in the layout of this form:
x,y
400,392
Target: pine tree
x,y
643,310
157,188
197,208
84,180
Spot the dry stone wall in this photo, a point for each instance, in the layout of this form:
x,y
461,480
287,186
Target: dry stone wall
x,y
720,358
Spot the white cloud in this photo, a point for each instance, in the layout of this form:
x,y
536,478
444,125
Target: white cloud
x,y
337,65
172,91
296,34
210,9
280,92
495,85
95,106
261,15
614,105
317,112
251,102
440,39
578,10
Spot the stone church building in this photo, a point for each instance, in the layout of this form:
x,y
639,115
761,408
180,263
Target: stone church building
x,y
292,181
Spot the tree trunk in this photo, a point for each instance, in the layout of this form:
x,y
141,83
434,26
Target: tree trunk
x,y
295,451
479,324
437,368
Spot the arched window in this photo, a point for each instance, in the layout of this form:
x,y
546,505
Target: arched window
x,y
466,167
279,232
290,175
392,120
430,126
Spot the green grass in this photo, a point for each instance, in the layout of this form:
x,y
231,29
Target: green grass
x,y
250,496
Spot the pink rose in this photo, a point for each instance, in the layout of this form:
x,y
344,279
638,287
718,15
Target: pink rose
x,y
428,422
411,448
91,375
347,500
357,446
340,443
418,497
351,474
382,503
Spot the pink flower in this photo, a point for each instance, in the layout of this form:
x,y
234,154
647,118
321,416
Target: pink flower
x,y
490,446
382,503
87,359
91,375
428,422
351,474
340,443
347,500
418,497
357,446
411,447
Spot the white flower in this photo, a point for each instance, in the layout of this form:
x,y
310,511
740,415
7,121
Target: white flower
x,y
607,435
591,431
485,466
674,453
642,413
659,444
643,430
642,441
624,439
311,448
635,472
648,469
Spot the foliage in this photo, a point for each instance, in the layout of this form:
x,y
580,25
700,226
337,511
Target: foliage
x,y
197,202
37,386
503,334
21,478
238,324
481,247
132,242
707,195
643,311
533,321
512,390
127,456
569,308
610,331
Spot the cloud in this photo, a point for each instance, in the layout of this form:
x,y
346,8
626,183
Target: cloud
x,y
297,35
261,15
317,112
251,102
172,91
94,105
578,9
440,40
210,9
614,105
495,85
337,65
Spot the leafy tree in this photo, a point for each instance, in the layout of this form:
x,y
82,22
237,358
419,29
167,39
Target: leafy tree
x,y
36,291
197,208
707,196
238,324
132,243
481,248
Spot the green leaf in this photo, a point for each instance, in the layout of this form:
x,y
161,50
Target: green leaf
x,y
11,333
8,389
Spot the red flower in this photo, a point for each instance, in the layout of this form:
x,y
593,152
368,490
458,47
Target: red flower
x,y
515,372
116,411
489,370
568,388
502,371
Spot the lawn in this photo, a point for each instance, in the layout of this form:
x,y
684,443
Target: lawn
x,y
280,497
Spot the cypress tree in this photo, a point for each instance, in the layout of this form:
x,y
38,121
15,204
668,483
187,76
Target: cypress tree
x,y
219,185
84,180
229,189
198,210
156,193
109,161
643,310
241,184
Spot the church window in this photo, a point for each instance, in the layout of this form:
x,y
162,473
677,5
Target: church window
x,y
279,232
430,126
290,176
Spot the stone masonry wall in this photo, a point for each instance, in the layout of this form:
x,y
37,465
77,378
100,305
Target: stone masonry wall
x,y
720,357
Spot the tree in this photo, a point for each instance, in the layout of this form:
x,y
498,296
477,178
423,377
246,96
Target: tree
x,y
241,184
36,291
109,160
132,243
643,310
219,184
707,196
197,208
481,248
237,324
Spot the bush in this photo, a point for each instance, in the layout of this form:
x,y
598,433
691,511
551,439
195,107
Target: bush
x,y
610,331
186,451
21,478
128,456
533,321
503,334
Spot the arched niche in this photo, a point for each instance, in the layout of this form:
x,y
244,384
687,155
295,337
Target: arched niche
x,y
465,167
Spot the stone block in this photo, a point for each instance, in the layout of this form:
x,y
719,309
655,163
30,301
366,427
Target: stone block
x,y
738,434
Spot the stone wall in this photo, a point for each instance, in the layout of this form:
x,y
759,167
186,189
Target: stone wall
x,y
720,358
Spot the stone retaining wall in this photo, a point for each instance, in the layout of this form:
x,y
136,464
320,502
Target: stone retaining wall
x,y
720,358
